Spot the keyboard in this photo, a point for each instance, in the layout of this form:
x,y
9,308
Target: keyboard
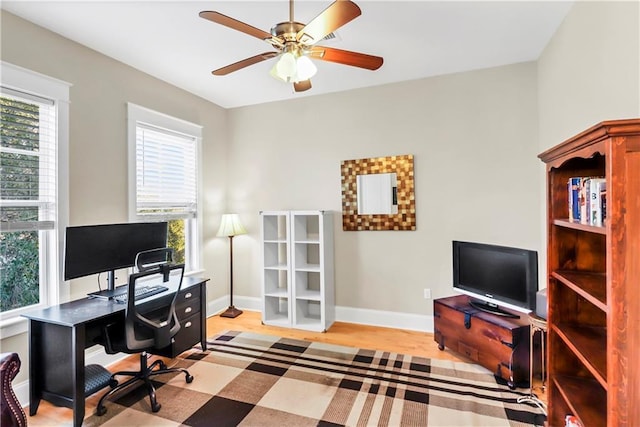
x,y
142,292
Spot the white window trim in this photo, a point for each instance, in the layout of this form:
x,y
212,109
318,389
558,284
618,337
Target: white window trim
x,y
137,113
24,80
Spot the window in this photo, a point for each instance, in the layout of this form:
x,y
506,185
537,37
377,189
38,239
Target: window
x,y
33,150
164,155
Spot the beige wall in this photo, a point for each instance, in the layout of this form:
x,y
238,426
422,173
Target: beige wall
x,y
590,70
474,137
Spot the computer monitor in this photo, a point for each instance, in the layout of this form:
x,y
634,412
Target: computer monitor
x,y
92,249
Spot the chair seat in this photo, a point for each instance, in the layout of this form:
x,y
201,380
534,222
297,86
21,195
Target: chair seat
x,y
96,377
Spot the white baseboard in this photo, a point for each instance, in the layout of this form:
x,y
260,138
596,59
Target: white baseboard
x,y
386,319
363,316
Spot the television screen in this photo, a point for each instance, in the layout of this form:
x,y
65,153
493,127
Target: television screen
x,y
95,249
496,275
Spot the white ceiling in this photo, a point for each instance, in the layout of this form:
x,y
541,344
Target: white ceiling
x,y
417,39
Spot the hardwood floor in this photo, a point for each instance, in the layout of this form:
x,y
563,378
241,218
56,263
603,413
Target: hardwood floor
x,y
348,334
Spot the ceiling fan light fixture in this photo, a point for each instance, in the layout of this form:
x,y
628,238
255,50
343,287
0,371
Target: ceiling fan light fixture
x,y
290,68
286,67
306,68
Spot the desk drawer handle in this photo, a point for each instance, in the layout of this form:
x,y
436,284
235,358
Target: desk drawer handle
x,y
187,295
187,325
187,310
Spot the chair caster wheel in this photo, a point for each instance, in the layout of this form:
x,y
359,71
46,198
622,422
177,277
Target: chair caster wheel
x,y
101,410
113,383
188,378
440,347
511,385
156,407
163,365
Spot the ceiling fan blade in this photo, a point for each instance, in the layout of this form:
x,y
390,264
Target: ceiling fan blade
x,y
302,85
244,63
346,57
335,16
221,19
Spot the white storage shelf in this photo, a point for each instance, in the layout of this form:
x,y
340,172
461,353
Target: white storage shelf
x,y
298,269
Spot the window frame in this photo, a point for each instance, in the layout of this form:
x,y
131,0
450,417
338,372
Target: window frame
x,y
193,227
55,290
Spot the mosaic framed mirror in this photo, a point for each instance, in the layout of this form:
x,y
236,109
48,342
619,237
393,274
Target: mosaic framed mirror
x,y
378,194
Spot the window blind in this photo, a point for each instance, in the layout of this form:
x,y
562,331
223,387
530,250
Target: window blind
x,y
27,162
166,172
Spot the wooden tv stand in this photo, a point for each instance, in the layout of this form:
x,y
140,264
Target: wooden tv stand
x,y
499,343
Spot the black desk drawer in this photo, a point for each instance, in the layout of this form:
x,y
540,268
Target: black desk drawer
x,y
188,303
189,297
187,337
189,334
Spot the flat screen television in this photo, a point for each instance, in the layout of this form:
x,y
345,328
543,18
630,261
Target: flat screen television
x,y
92,249
496,276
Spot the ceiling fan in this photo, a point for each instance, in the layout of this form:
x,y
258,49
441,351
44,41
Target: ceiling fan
x,y
295,43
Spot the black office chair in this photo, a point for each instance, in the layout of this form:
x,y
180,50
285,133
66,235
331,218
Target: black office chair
x,y
149,325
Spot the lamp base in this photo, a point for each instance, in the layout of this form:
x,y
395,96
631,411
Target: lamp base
x,y
231,312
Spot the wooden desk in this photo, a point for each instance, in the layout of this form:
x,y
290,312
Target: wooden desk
x,y
59,335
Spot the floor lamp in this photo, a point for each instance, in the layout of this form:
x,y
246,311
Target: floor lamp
x,y
230,226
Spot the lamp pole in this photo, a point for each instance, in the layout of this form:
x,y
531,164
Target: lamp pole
x,y
231,311
230,226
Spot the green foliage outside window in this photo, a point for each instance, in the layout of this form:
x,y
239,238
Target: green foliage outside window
x,y
176,239
19,270
19,180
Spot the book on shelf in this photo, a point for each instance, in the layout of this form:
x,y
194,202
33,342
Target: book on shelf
x,y
603,206
586,198
597,186
574,200
583,195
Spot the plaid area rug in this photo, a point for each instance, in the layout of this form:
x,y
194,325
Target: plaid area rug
x,y
246,379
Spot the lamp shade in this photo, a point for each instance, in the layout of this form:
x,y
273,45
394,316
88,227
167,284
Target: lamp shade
x,y
231,226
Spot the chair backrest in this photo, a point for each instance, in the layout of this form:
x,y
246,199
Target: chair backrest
x,y
152,323
148,260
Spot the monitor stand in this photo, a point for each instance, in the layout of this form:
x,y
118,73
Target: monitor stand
x,y
111,290
108,293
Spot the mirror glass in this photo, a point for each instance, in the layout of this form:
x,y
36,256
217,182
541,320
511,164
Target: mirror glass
x,y
368,194
377,193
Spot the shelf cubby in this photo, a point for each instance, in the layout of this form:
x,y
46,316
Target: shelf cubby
x,y
276,282
308,285
592,286
584,398
276,310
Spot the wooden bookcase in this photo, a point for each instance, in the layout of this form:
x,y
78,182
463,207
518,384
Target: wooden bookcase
x,y
594,281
